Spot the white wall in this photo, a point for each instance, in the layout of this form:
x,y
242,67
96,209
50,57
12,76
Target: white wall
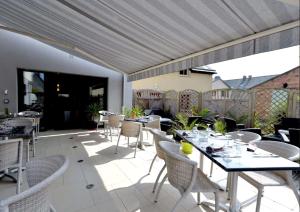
x,y
18,51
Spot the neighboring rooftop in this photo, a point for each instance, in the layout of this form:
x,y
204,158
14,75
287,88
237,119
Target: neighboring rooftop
x,y
247,82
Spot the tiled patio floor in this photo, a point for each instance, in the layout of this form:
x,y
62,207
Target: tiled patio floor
x,y
121,182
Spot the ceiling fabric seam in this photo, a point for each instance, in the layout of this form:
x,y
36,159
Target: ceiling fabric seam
x,y
238,16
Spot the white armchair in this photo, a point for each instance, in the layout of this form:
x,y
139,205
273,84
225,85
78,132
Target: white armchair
x,y
184,175
130,129
40,174
273,178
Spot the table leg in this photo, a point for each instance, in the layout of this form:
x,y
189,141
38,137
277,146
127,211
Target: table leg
x,y
141,145
234,205
201,161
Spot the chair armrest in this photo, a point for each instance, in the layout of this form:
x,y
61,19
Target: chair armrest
x,y
283,134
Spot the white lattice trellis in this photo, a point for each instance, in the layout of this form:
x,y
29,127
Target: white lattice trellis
x,y
188,99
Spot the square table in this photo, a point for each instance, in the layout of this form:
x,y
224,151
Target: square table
x,y
242,163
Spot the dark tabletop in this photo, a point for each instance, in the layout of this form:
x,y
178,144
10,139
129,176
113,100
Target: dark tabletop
x,y
247,161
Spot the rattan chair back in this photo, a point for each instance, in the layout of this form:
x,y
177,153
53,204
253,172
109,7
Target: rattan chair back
x,y
40,174
131,129
245,136
181,171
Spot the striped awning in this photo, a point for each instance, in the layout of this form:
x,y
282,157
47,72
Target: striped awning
x,y
146,38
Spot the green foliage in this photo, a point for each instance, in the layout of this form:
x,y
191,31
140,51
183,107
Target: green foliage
x,y
204,113
133,112
93,110
126,112
182,122
239,119
220,126
137,111
266,122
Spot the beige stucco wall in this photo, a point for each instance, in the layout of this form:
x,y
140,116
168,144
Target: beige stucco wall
x,y
173,81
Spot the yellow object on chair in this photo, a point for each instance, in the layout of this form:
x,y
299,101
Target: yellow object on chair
x,y
186,147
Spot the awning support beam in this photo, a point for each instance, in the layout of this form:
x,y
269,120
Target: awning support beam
x,y
225,45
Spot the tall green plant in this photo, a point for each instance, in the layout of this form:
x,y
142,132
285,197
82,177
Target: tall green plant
x,y
220,126
204,113
182,122
239,119
93,110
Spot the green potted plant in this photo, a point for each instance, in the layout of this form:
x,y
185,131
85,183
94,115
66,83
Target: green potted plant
x,y
93,114
220,126
136,112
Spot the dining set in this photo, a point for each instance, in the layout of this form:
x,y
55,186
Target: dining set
x,y
128,127
240,154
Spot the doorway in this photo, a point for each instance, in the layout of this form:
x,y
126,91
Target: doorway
x,y
62,99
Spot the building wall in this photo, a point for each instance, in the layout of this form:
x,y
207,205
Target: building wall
x,y
172,81
292,78
18,51
219,84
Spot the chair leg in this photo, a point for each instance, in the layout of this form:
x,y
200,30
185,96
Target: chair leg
x,y
128,141
33,143
258,201
159,188
27,151
117,144
19,179
294,188
136,145
110,134
198,198
158,176
179,201
152,164
217,202
211,169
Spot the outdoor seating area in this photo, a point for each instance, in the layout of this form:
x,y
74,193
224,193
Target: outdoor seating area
x,y
149,106
120,168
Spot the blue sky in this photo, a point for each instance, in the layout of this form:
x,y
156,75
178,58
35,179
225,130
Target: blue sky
x,y
275,62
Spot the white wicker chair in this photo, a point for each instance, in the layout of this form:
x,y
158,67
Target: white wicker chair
x,y
154,124
130,129
273,178
36,121
27,135
11,157
40,174
114,122
184,175
103,120
159,136
247,137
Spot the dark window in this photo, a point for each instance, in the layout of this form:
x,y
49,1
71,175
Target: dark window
x,y
183,72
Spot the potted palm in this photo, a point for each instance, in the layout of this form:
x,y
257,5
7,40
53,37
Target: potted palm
x,y
93,114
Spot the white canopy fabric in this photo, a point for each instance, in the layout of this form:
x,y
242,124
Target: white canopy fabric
x,y
145,38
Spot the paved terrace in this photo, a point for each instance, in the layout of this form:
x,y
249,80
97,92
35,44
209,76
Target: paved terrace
x,y
121,182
